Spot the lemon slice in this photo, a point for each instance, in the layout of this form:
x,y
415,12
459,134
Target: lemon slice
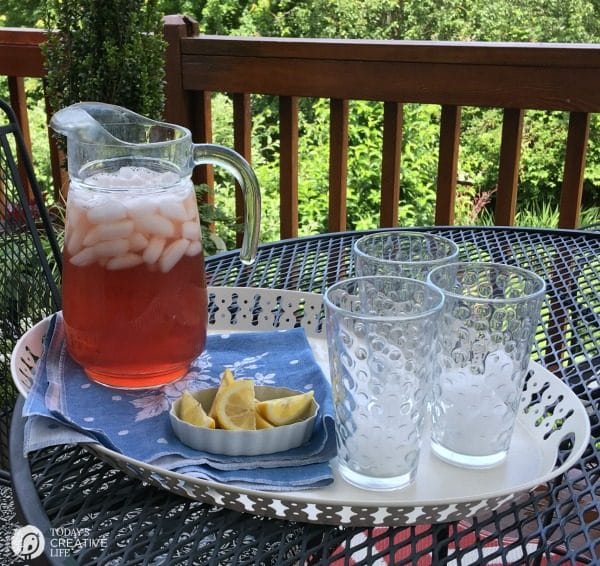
x,y
285,410
262,423
227,377
226,380
191,412
234,407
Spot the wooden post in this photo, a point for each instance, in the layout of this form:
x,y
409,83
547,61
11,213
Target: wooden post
x,y
242,133
573,175
390,164
447,165
179,102
338,164
508,172
18,102
288,168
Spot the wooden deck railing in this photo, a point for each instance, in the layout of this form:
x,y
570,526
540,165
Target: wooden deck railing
x,y
512,77
20,58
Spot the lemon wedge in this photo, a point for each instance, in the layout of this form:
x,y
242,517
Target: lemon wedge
x,y
285,410
191,411
227,379
234,407
262,423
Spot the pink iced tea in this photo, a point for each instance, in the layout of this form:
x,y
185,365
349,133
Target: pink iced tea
x,y
134,290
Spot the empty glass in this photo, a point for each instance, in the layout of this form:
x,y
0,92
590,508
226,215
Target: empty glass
x,y
405,254
485,336
380,333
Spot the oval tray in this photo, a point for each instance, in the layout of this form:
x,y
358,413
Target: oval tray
x,y
552,432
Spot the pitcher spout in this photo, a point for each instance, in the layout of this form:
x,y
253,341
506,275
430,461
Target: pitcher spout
x,y
108,144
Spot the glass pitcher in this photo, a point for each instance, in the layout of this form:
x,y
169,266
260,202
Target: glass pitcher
x,y
134,288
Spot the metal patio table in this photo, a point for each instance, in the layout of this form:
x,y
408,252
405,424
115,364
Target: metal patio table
x,y
558,522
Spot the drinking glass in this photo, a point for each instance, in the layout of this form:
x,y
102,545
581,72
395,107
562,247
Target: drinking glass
x,y
405,254
380,333
485,336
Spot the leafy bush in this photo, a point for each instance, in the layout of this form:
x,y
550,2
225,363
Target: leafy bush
x,y
109,51
544,133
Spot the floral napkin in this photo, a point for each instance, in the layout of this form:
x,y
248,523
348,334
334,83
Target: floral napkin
x,y
64,406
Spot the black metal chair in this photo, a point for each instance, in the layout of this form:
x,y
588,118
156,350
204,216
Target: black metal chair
x,y
30,260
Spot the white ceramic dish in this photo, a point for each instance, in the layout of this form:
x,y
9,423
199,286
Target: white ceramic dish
x,y
244,442
441,493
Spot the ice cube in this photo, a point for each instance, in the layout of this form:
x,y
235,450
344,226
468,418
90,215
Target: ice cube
x,y
112,248
86,256
173,209
172,254
190,231
154,249
499,366
168,179
109,231
108,211
156,225
191,207
127,172
124,262
140,206
194,248
74,238
137,242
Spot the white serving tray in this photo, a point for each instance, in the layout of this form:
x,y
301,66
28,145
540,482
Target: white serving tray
x,y
550,413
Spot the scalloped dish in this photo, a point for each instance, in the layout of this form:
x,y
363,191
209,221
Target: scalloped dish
x,y
244,442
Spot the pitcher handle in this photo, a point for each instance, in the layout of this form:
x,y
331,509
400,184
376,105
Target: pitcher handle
x,y
234,163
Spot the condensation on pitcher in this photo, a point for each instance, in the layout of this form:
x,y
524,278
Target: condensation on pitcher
x,y
127,229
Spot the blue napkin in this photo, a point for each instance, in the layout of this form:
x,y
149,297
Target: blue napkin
x,y
136,423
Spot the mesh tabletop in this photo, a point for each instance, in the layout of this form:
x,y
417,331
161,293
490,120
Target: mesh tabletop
x,y
557,523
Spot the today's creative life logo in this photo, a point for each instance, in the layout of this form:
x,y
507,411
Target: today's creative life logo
x,y
27,542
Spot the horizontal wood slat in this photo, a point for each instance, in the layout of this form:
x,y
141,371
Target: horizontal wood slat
x,y
555,88
453,52
20,53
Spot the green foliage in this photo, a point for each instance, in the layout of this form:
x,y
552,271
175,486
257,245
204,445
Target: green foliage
x,y
221,17
377,19
22,13
110,51
501,20
210,214
465,20
590,217
544,134
540,215
188,7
